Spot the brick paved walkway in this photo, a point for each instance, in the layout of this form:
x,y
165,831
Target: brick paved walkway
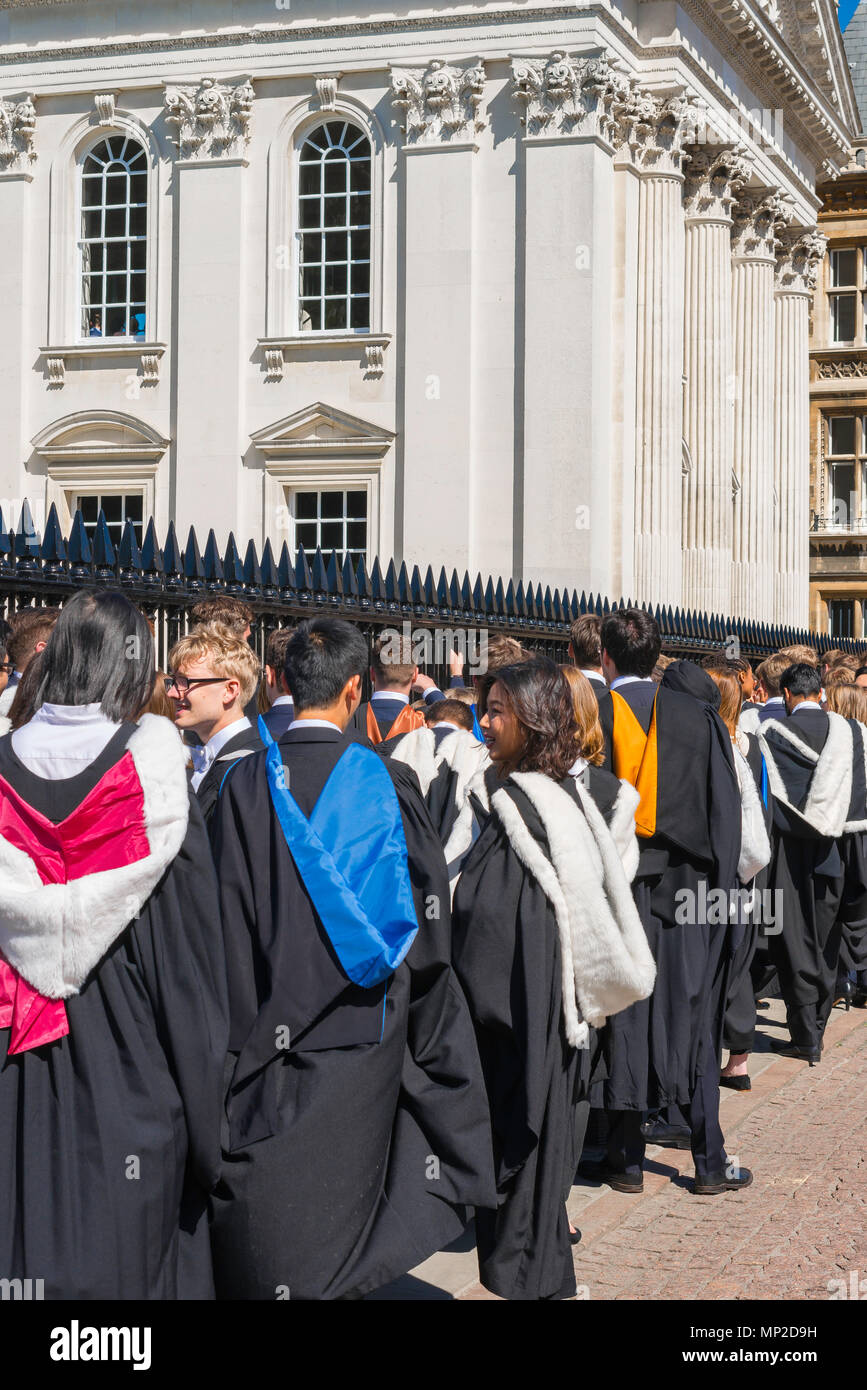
x,y
802,1223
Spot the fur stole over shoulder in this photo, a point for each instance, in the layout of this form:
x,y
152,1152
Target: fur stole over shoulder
x,y
755,845
55,934
467,760
828,802
606,961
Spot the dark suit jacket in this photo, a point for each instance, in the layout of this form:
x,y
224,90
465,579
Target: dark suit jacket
x,y
770,711
247,741
278,719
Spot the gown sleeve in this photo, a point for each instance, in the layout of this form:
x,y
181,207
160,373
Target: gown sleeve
x,y
179,948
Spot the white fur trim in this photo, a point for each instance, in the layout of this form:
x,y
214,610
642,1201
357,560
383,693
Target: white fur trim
x,y
622,827
467,759
755,845
827,803
7,695
748,720
416,750
55,934
606,961
5,724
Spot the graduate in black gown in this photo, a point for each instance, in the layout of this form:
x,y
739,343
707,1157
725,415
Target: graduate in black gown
x,y
665,1051
816,767
755,913
113,1013
547,944
357,1124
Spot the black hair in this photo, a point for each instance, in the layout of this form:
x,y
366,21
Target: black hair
x,y
5,632
99,652
631,639
322,655
801,679
862,671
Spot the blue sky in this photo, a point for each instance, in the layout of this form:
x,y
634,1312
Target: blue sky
x,y
847,9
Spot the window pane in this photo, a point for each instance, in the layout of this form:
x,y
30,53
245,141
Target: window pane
x,y
305,535
134,506
305,504
116,255
841,617
115,222
843,317
92,225
310,179
356,504
842,433
360,245
115,323
361,313
138,255
332,504
91,193
311,249
310,210
112,506
335,246
356,535
89,508
842,490
335,131
335,313
137,289
843,267
138,189
138,221
116,189
310,316
115,289
332,535
311,281
359,175
334,214
359,209
335,175
335,279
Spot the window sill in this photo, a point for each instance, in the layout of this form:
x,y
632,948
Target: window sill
x,y
371,345
96,349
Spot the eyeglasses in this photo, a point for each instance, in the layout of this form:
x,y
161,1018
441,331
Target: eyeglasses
x,y
182,683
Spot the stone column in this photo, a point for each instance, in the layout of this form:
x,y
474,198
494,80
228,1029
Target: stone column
x,y
713,178
210,351
17,160
801,254
757,218
654,130
439,112
565,260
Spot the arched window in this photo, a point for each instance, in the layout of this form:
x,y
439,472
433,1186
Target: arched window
x,y
334,229
114,192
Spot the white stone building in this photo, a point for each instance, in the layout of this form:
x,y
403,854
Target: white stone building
x,y
511,287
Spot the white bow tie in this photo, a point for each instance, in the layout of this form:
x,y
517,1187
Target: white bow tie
x,y
202,756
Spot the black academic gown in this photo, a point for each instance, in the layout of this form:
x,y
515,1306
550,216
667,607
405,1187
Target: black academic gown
x,y
656,1050
606,715
138,1077
822,882
239,746
507,955
357,1126
749,959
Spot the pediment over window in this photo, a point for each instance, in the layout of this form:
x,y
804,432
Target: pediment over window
x,y
322,431
99,435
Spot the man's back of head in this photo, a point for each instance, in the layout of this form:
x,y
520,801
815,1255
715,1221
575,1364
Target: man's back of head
x,y
584,642
391,663
630,640
31,629
229,612
323,658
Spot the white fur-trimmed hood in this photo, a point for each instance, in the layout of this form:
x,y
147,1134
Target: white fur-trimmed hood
x,y
827,805
606,961
468,759
54,935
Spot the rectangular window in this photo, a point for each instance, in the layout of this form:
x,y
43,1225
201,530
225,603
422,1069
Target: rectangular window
x,y
841,617
844,269
843,314
846,472
333,519
118,508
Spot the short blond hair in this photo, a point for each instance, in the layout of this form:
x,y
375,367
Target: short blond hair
x,y
799,652
225,652
848,700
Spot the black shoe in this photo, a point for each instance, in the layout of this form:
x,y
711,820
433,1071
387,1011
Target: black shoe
x,y
621,1182
843,992
736,1083
710,1184
859,998
813,1055
574,1237
668,1136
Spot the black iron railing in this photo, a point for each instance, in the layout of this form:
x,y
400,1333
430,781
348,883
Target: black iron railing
x,y
166,580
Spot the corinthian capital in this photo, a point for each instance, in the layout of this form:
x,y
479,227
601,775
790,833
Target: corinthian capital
x,y
568,95
440,103
760,217
17,133
655,130
801,252
715,176
212,121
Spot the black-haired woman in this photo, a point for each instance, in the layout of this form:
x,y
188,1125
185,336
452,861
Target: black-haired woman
x,y
547,944
112,980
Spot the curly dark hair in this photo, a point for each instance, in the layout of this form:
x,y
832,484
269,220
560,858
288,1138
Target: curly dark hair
x,y
540,696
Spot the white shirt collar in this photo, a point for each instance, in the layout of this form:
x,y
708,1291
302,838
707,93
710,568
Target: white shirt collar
x,y
578,767
595,675
806,704
60,741
630,680
282,700
314,724
447,724
389,695
218,741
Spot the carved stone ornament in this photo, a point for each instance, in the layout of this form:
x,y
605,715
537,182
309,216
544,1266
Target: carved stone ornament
x,y
840,371
273,364
326,92
105,105
374,355
655,130
17,133
714,178
760,218
569,95
211,121
801,254
440,103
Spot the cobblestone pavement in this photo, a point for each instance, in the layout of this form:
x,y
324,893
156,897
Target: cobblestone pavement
x,y
802,1223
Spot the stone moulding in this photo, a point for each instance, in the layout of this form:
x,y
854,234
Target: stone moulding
x,y
17,133
339,343
211,121
439,104
96,354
